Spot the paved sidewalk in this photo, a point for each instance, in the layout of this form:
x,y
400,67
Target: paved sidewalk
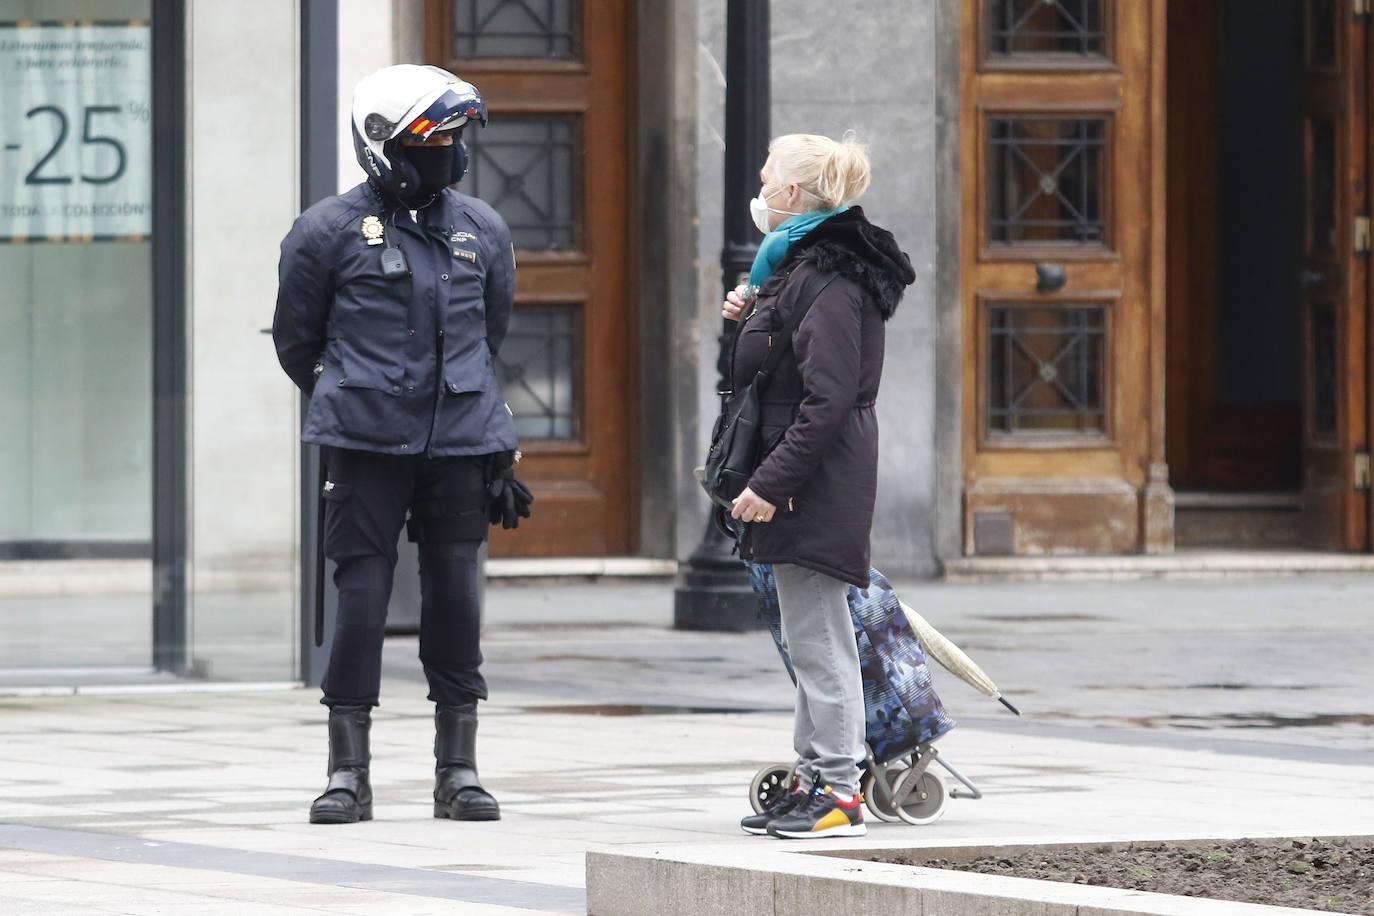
x,y
1153,709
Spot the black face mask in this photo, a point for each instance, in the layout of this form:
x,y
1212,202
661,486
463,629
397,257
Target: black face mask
x,y
435,166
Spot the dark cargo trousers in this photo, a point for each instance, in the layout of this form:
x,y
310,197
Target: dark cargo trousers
x,y
366,499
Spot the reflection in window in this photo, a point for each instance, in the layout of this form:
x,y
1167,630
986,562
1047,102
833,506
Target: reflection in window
x,y
541,29
523,166
1045,371
1321,189
1046,27
1045,179
535,368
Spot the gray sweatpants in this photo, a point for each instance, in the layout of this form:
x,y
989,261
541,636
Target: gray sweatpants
x,y
818,634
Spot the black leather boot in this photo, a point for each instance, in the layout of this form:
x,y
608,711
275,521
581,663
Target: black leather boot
x,y
348,797
457,793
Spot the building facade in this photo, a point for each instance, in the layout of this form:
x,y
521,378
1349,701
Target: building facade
x,y
1140,229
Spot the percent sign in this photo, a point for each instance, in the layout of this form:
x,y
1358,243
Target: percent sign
x,y
141,111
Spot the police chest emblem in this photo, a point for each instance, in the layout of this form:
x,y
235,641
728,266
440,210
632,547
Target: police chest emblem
x,y
465,254
372,230
455,236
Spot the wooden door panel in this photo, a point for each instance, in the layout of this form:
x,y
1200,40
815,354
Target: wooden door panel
x,y
552,89
557,81
1029,464
1193,208
1062,133
1016,270
1335,275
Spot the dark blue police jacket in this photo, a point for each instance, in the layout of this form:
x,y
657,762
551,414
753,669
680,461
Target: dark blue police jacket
x,y
407,359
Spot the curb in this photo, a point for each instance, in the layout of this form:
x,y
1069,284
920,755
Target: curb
x,y
786,880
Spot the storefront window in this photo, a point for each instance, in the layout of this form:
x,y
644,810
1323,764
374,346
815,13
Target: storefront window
x,y
76,337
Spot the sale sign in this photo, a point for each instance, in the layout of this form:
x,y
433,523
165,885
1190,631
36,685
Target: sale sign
x,y
75,131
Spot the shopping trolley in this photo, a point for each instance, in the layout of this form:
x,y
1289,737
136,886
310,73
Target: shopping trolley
x,y
903,715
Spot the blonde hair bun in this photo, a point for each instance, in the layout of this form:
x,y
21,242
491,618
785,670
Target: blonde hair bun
x,y
834,172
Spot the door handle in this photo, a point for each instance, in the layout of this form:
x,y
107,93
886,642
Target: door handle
x,y
1050,277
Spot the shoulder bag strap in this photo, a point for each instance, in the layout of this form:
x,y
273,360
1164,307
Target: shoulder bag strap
x,y
810,293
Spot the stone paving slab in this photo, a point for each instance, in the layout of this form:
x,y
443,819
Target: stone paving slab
x,y
570,782
624,735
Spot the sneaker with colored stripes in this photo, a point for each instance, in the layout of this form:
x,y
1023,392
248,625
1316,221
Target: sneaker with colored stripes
x,y
757,824
823,815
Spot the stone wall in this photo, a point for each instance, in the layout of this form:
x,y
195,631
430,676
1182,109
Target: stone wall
x,y
243,181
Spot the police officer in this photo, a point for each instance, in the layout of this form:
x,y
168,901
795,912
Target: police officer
x,y
393,299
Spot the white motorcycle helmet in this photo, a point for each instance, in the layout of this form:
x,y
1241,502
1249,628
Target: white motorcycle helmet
x,y
414,101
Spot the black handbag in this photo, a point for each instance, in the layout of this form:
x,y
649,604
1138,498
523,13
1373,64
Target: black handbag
x,y
736,440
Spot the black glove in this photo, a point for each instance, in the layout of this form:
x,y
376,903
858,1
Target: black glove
x,y
508,499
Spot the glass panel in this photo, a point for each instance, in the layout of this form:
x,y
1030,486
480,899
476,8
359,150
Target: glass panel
x,y
1320,24
1045,372
542,29
75,341
536,371
1045,179
1321,188
1323,371
523,166
1072,27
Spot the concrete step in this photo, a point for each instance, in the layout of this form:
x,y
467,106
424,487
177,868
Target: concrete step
x,y
1179,564
1237,520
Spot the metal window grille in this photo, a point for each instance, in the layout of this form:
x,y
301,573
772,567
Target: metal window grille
x,y
535,369
1045,370
523,166
1045,179
537,29
1046,27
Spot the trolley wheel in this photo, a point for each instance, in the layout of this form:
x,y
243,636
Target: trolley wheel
x,y
768,785
881,809
925,803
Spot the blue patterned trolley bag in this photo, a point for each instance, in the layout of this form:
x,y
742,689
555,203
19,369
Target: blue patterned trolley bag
x,y
902,712
901,709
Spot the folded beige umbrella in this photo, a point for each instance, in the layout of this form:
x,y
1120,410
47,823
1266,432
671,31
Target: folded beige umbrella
x,y
953,658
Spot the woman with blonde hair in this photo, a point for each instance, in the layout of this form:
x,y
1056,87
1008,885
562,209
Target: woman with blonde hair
x,y
808,507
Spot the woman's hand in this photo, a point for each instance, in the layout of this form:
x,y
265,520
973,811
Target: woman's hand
x,y
751,507
734,303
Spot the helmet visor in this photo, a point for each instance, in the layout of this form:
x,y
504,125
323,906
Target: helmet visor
x,y
449,111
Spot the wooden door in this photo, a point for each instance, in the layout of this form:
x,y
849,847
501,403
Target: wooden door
x,y
554,161
1234,215
1061,275
1335,275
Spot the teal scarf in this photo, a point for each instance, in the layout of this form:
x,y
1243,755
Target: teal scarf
x,y
776,243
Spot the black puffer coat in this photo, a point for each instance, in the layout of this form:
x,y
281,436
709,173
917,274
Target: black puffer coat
x,y
820,423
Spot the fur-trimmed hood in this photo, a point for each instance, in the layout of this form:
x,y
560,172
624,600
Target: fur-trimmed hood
x,y
850,245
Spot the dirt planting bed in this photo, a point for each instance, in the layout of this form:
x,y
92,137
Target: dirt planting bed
x,y
1330,874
